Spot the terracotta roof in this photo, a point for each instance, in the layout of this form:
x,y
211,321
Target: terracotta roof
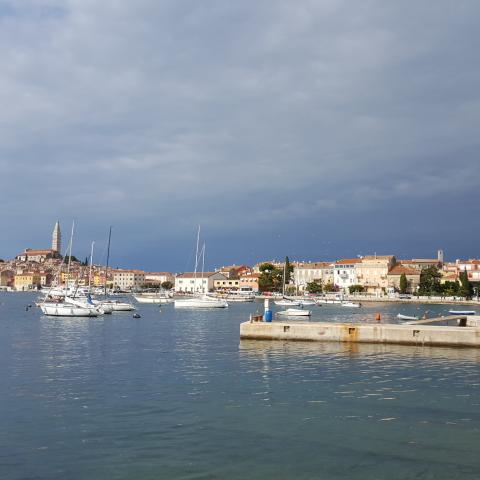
x,y
399,269
198,274
29,252
346,261
377,257
314,265
250,275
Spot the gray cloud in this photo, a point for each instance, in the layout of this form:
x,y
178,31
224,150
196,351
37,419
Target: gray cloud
x,y
246,117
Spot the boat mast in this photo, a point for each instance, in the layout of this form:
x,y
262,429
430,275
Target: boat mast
x,y
203,268
196,262
69,258
108,258
90,270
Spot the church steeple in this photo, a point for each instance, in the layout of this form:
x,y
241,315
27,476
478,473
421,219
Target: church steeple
x,y
57,238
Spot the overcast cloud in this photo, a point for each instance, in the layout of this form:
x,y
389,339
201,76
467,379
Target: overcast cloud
x,y
313,128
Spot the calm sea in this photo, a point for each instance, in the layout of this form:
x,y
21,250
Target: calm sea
x,y
176,395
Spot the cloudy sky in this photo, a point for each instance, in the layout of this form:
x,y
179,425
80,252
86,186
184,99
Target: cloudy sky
x,y
316,129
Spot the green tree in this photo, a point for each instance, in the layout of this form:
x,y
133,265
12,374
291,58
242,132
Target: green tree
x,y
329,287
271,278
288,271
403,283
465,287
314,287
167,285
430,281
356,288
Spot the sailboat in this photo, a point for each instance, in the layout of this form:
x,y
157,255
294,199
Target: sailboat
x,y
115,305
201,299
286,302
68,306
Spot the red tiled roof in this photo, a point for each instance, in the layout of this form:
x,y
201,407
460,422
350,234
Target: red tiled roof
x,y
347,261
399,269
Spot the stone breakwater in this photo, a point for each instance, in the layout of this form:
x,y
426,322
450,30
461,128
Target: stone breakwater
x,y
421,335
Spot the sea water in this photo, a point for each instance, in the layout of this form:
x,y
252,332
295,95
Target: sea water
x,y
176,395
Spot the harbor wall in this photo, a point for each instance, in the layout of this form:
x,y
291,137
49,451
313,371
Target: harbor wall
x,y
431,335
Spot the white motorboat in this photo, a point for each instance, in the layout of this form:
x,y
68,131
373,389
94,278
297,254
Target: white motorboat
x,y
407,317
351,304
200,302
116,306
295,312
152,299
462,312
285,302
239,298
306,302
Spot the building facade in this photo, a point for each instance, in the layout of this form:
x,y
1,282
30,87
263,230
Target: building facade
x,y
320,272
345,273
372,272
191,282
128,279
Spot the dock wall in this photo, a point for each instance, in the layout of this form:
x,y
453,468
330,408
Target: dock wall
x,y
431,335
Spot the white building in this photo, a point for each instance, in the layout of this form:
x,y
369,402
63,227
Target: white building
x,y
190,282
304,273
344,274
128,279
159,277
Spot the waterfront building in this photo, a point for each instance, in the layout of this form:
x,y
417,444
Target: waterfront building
x,y
421,263
227,284
472,267
412,275
40,256
250,280
190,282
7,278
235,271
372,272
57,238
345,274
158,278
27,281
320,272
128,279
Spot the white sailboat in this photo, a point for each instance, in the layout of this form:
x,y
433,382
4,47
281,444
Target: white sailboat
x,y
115,305
200,299
70,307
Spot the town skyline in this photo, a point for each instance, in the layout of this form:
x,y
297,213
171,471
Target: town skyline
x,y
313,129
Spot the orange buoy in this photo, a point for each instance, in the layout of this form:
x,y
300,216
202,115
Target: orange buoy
x,y
378,317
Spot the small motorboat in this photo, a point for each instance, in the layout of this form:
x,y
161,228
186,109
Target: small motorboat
x,y
351,304
407,317
295,312
462,312
305,303
285,302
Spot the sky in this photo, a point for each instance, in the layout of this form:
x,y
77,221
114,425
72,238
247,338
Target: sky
x,y
317,129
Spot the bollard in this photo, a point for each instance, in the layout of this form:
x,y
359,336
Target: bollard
x,y
267,316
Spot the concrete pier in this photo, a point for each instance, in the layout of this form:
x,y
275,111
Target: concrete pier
x,y
431,335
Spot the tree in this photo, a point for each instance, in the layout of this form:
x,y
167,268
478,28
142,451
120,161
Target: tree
x,y
329,287
271,278
465,287
403,283
430,281
356,288
167,285
314,287
288,271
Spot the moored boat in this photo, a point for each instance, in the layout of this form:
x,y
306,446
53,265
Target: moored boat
x,y
407,317
295,312
462,312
